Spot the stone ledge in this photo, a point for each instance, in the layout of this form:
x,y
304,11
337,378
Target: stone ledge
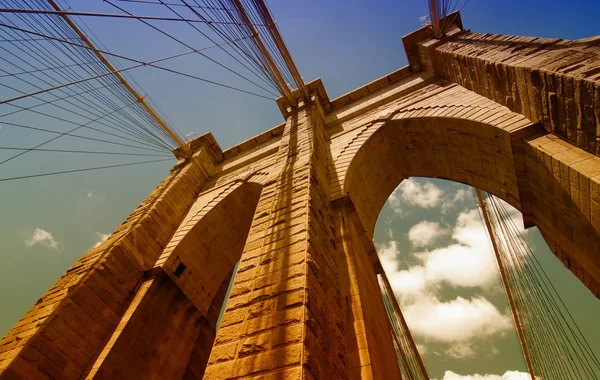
x,y
409,41
207,140
315,88
254,141
371,87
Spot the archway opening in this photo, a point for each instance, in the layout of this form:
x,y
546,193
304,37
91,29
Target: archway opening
x,y
173,314
203,262
461,151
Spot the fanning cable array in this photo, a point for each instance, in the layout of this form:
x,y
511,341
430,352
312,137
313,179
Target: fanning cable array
x,y
68,93
409,359
99,114
554,346
248,27
441,11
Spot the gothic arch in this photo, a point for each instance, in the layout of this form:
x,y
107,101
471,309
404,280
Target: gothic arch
x,y
506,155
473,153
183,294
210,240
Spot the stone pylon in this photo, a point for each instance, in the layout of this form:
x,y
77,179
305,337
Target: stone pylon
x,y
296,206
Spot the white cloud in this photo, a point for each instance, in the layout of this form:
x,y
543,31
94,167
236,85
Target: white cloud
x,y
410,283
388,255
427,195
389,233
423,349
43,238
466,263
508,375
413,193
460,196
101,238
425,233
405,282
461,324
462,350
455,321
95,197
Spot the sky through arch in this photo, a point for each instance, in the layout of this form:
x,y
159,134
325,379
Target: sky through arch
x,y
439,261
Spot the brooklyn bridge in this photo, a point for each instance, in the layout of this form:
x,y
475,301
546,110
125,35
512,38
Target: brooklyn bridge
x,y
258,261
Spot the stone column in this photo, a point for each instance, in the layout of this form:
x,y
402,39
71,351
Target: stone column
x,y
154,338
283,316
65,331
370,351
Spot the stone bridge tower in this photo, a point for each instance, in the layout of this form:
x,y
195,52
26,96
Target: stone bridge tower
x,y
297,205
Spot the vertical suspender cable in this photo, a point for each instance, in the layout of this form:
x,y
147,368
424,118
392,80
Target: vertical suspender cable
x,y
505,282
405,327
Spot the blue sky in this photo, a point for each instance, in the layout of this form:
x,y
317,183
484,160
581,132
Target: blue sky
x,y
346,43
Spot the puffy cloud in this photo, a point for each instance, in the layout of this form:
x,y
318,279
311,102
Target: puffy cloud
x,y
425,233
457,320
470,261
467,263
413,193
460,196
410,283
388,255
508,375
91,195
453,321
462,325
101,238
43,238
406,282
